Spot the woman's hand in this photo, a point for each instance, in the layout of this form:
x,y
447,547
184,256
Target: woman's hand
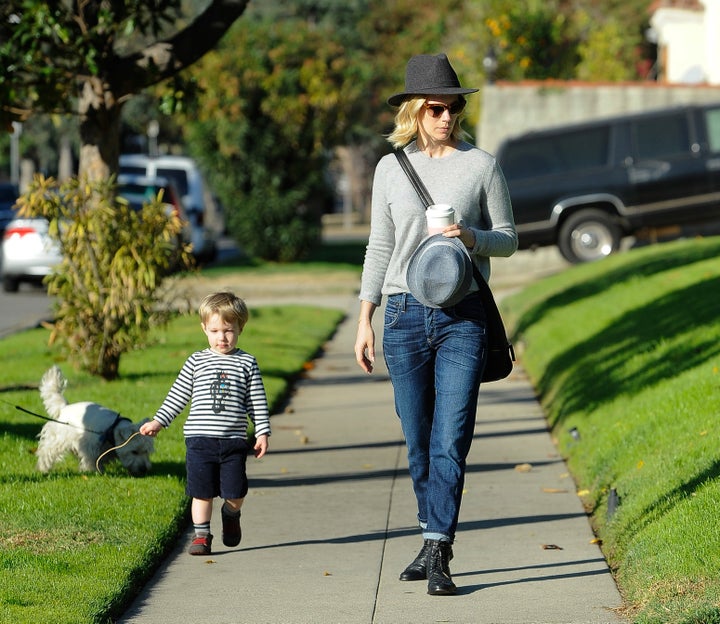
x,y
458,230
365,346
365,341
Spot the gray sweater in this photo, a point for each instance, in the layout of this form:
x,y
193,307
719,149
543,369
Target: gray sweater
x,y
469,179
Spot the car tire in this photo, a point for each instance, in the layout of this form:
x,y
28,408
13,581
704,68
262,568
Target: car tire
x,y
10,284
588,235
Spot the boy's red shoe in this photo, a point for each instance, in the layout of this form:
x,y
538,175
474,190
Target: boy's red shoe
x,y
201,545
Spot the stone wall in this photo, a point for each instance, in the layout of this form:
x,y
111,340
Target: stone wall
x,y
509,109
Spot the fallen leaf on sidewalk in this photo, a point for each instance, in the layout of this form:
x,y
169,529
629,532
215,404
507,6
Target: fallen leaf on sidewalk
x,y
551,547
523,467
596,540
326,573
554,490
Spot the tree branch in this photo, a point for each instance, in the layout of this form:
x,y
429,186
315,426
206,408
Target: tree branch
x,y
164,59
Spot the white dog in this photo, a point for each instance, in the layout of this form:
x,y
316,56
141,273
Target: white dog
x,y
89,430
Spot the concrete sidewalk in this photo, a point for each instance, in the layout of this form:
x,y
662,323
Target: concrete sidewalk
x,y
329,522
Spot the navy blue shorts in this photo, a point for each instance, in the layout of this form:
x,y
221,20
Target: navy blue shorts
x,y
216,467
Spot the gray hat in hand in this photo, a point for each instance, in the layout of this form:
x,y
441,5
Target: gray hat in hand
x,y
440,271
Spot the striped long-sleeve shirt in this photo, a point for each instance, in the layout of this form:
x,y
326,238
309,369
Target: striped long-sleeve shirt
x,y
223,390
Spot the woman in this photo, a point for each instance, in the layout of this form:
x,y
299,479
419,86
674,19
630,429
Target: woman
x,y
435,356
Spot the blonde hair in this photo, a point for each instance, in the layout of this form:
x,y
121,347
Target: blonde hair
x,y
230,308
406,123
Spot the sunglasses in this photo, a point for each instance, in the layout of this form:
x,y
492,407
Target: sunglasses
x,y
436,110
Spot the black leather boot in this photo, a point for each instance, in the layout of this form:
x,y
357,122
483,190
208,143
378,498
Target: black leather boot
x,y
417,570
438,569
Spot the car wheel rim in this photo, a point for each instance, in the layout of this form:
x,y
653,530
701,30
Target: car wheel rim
x,y
592,242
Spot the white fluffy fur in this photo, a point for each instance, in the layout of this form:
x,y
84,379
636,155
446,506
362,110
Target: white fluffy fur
x,y
79,435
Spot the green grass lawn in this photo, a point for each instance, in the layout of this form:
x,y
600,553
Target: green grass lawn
x,y
627,351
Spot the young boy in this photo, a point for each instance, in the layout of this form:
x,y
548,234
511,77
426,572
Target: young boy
x,y
224,386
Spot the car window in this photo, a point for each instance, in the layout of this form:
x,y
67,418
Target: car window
x,y
178,176
137,195
562,153
583,149
133,169
661,136
8,193
712,123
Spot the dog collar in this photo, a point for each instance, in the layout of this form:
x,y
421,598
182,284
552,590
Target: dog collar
x,y
106,436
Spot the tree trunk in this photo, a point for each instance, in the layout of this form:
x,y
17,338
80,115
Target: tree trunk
x,y
109,367
65,159
99,131
357,162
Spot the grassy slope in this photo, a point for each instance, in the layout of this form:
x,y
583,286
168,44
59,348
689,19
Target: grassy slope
x,y
627,351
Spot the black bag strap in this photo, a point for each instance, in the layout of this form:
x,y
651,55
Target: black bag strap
x,y
496,329
420,187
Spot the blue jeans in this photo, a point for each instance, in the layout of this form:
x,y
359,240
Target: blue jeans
x,y
436,358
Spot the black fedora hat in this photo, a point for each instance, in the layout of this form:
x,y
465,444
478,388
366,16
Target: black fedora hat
x,y
440,271
428,74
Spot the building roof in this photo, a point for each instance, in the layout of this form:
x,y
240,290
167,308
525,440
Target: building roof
x,y
688,5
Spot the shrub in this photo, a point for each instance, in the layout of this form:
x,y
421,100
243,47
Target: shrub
x,y
114,262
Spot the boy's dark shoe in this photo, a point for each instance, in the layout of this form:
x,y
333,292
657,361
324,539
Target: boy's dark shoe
x,y
231,531
201,545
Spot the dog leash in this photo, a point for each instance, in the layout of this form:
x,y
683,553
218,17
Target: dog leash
x,y
114,448
59,422
103,434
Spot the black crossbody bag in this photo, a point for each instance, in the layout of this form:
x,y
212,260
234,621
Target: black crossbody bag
x,y
501,354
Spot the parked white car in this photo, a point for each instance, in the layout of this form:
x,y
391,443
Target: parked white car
x,y
194,194
8,197
28,253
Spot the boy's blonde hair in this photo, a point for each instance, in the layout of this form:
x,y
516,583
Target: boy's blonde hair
x,y
406,123
229,307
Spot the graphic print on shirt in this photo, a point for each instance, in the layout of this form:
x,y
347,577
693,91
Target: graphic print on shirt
x,y
219,389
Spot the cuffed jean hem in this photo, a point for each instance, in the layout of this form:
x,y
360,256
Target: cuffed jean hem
x,y
438,537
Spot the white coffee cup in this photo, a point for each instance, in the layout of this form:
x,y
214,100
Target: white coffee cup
x,y
438,217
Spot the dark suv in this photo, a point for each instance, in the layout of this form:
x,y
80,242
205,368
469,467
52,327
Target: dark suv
x,y
583,187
